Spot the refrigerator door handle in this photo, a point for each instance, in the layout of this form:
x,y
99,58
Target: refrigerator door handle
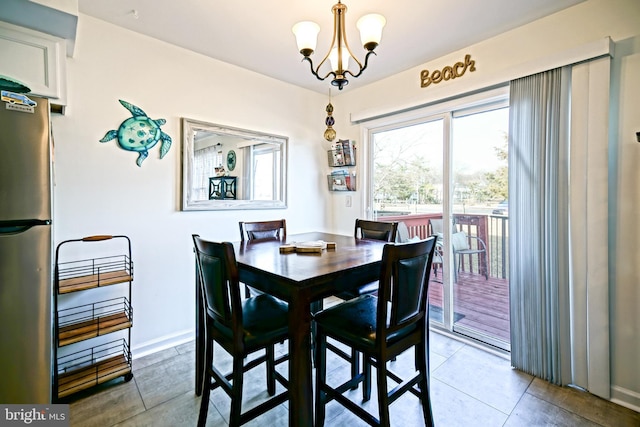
x,y
20,226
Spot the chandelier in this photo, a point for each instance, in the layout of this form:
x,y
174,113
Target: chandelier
x,y
370,27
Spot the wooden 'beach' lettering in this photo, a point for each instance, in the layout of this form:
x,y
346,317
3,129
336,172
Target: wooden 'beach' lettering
x,y
457,70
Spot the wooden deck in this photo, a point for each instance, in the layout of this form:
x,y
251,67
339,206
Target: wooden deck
x,y
479,304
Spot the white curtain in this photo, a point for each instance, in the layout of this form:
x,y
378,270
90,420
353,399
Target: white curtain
x,y
558,225
539,274
204,163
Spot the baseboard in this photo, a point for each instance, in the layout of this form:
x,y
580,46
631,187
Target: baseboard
x,y
627,398
162,343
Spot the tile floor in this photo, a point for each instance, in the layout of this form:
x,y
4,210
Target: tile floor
x,y
470,387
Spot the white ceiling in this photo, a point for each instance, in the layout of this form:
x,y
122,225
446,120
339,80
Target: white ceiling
x,y
256,34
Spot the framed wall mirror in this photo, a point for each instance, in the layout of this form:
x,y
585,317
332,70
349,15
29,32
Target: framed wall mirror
x,y
227,168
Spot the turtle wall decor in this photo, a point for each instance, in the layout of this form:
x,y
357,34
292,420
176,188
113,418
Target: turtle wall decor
x,y
139,133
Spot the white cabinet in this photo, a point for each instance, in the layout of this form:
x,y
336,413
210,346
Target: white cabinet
x,y
36,59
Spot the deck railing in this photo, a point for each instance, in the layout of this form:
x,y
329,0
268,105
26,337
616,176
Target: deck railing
x,y
492,229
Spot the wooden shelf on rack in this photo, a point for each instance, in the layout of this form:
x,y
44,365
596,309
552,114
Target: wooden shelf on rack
x,y
81,283
102,325
89,376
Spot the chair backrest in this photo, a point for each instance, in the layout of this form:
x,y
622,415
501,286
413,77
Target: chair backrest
x,y
403,233
376,230
436,226
218,275
263,230
459,241
404,281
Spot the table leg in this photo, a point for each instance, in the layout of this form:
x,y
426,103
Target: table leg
x,y
300,380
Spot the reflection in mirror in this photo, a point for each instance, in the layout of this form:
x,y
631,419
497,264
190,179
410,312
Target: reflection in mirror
x,y
230,168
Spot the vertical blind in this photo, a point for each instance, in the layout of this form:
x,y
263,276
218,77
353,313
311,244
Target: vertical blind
x,y
558,144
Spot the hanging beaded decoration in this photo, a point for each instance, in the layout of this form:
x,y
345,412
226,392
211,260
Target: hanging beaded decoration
x,y
329,134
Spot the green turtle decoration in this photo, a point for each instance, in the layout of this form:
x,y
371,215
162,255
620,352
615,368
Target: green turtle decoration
x,y
139,133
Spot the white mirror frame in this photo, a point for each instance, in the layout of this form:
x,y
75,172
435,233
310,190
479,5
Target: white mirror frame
x,y
189,126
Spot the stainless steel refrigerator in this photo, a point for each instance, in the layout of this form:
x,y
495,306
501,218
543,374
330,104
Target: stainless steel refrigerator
x,y
25,252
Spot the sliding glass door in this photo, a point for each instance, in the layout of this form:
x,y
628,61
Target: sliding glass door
x,y
446,175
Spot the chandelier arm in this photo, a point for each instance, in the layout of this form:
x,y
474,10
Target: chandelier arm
x,y
333,42
362,68
346,44
315,72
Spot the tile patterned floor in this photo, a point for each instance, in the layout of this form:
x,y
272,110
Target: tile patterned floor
x,y
470,387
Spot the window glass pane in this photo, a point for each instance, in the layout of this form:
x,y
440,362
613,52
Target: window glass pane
x,y
407,174
408,187
263,172
480,215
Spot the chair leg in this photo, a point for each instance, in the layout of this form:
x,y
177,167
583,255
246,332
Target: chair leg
x,y
355,365
236,391
383,396
321,376
486,266
316,306
422,366
271,369
206,388
366,384
456,266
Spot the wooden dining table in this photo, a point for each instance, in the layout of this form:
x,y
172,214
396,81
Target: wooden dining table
x,y
302,280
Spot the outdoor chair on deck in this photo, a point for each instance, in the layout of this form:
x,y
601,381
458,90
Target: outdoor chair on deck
x,y
262,230
460,243
381,327
240,328
461,246
438,256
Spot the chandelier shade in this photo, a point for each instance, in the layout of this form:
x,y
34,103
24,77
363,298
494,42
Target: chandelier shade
x,y
370,27
339,54
306,36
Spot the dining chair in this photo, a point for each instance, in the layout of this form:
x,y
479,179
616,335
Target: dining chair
x,y
373,230
240,327
381,327
262,230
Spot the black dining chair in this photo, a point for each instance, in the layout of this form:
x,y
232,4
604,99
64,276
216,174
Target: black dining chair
x,y
381,327
262,230
240,327
373,230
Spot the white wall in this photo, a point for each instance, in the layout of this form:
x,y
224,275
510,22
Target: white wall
x,y
100,189
517,50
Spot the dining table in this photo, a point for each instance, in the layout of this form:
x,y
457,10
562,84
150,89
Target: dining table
x,y
302,279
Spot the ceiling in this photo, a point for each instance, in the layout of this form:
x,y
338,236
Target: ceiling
x,y
256,34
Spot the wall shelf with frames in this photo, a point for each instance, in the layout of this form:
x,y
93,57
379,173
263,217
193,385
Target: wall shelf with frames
x,y
342,154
